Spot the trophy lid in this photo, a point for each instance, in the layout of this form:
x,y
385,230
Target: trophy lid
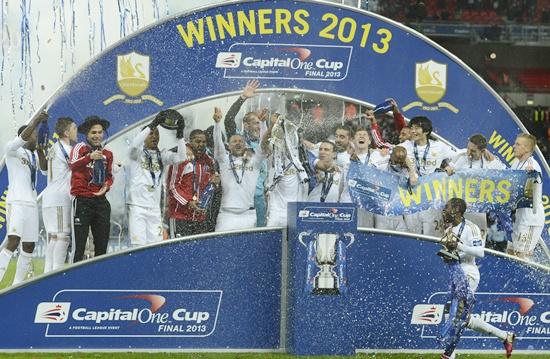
x,y
170,119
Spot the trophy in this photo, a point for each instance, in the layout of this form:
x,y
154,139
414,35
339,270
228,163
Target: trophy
x,y
326,262
170,119
449,242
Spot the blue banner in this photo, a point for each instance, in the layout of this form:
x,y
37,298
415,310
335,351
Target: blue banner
x,y
385,193
370,291
194,293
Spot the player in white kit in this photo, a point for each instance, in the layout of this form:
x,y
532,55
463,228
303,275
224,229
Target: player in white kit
x,y
427,155
239,171
56,198
329,176
529,219
476,156
399,164
464,237
22,214
361,153
287,178
145,176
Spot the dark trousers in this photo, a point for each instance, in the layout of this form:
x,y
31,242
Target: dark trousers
x,y
94,213
182,228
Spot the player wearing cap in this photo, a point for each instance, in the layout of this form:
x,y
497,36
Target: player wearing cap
x,y
145,175
56,198
91,179
22,214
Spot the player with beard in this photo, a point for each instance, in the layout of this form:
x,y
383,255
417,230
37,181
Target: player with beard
x,y
239,171
187,183
253,124
22,215
329,176
427,155
91,165
145,178
476,156
463,243
56,198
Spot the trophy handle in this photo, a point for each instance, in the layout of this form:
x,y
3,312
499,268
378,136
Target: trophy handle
x,y
301,237
351,237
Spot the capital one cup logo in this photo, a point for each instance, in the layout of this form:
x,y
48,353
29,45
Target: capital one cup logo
x,y
51,312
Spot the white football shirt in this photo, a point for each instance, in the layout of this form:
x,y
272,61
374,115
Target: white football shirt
x,y
58,191
19,161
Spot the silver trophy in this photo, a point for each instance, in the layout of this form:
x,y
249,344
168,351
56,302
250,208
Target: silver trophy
x,y
326,262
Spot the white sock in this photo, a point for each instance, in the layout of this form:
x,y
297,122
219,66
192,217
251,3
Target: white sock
x,y
60,251
480,326
23,265
5,257
48,263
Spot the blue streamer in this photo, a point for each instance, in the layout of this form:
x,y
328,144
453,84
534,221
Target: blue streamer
x,y
137,14
101,27
38,39
63,37
73,34
91,30
156,11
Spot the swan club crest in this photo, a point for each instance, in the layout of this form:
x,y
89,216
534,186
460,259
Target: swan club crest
x,y
430,84
133,78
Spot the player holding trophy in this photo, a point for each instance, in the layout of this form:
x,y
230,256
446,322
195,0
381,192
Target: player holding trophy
x,y
462,244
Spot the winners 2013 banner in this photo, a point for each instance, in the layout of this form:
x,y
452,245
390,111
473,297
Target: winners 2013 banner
x,y
483,190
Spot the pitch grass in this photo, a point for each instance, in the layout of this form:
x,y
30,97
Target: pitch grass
x,y
38,268
246,356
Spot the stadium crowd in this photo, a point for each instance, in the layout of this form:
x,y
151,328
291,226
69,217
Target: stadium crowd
x,y
239,173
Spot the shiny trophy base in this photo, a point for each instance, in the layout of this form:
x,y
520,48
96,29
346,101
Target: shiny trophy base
x,y
448,256
326,283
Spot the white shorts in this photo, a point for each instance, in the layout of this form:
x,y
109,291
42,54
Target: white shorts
x,y
144,225
23,221
525,237
57,219
228,221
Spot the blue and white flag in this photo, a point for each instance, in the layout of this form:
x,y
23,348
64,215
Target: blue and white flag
x,y
483,190
384,107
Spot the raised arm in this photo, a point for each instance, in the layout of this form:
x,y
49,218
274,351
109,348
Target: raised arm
x,y
229,121
20,140
219,148
137,144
